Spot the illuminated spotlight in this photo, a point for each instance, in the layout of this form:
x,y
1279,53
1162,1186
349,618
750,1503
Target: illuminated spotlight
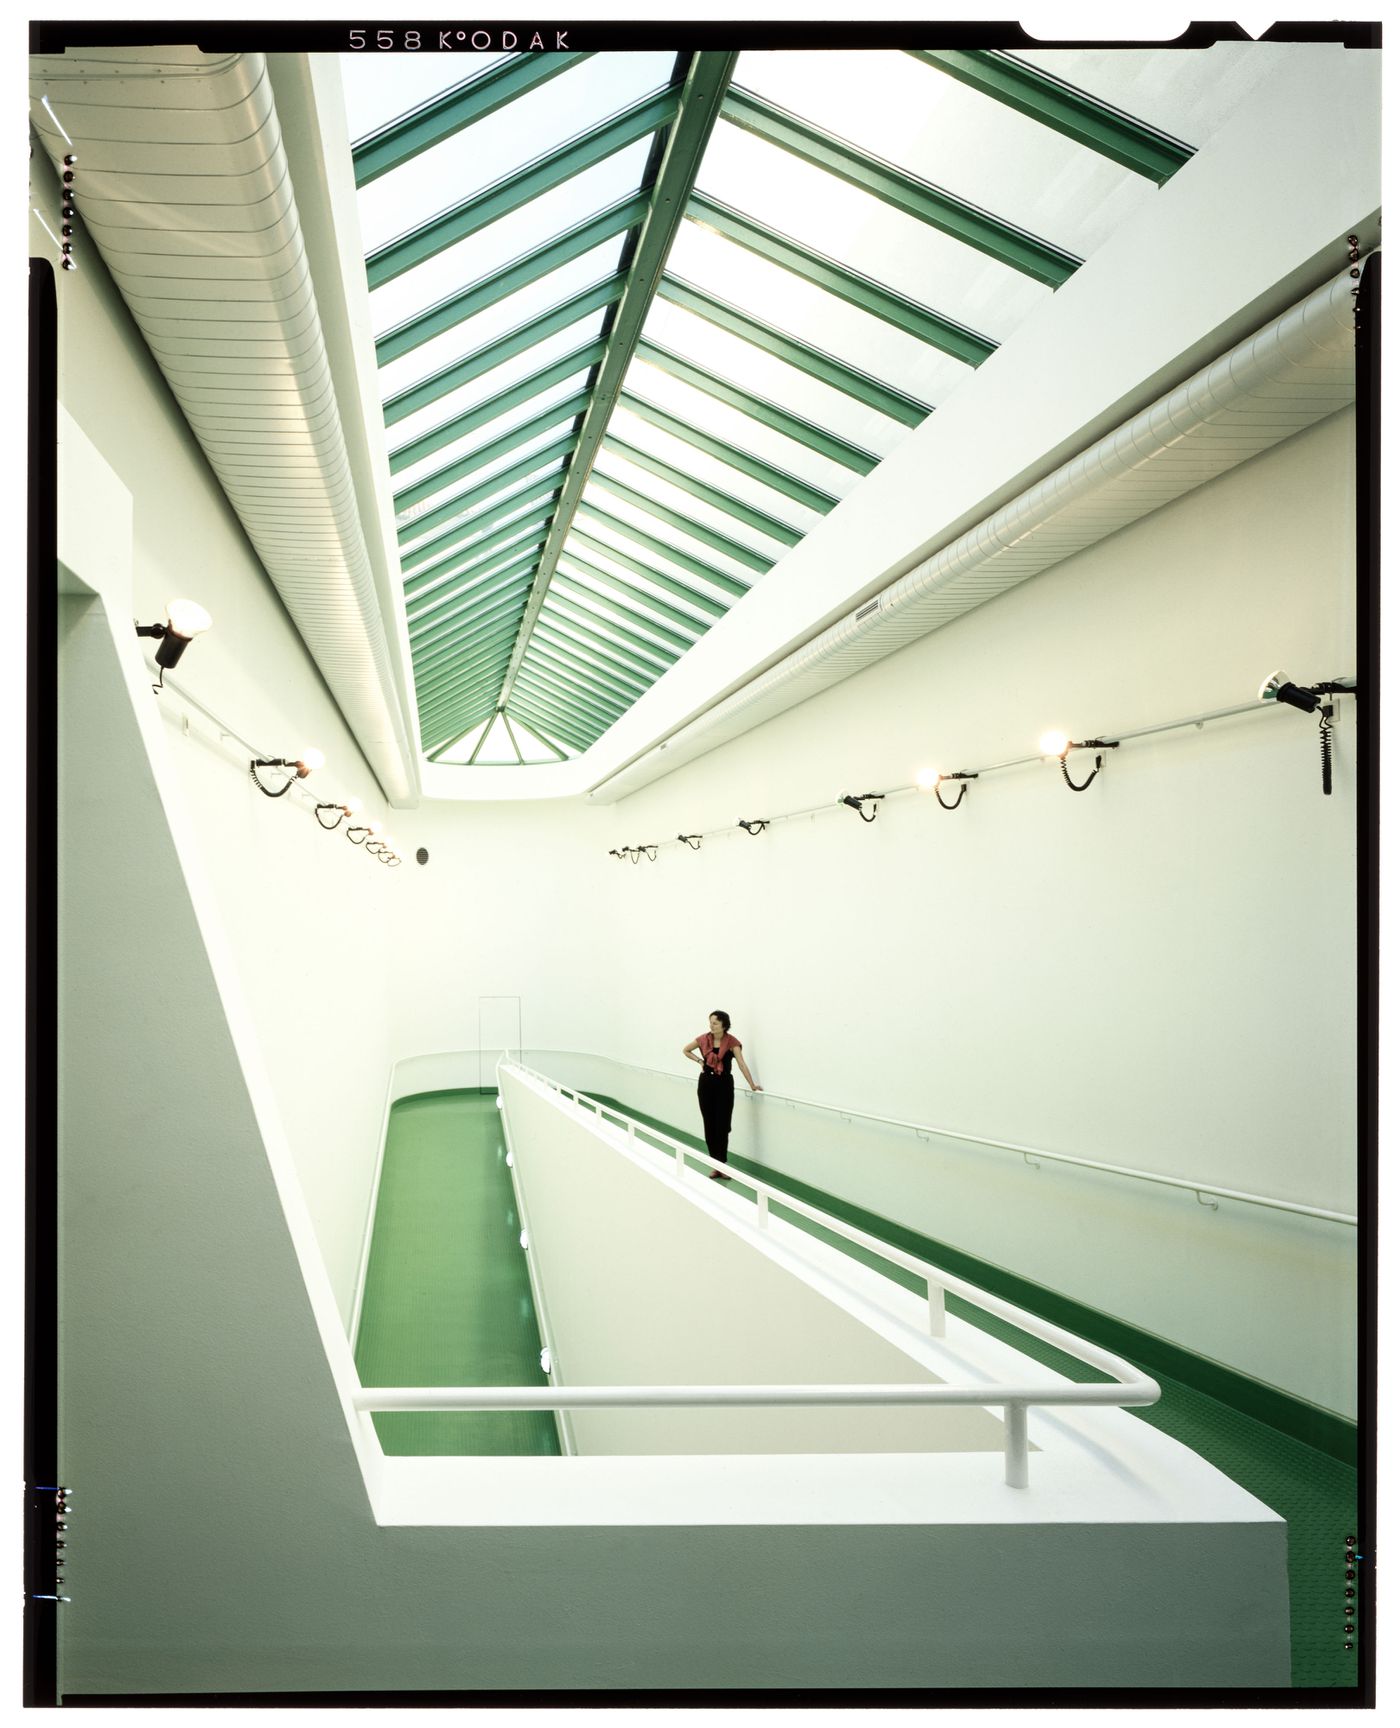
x,y
185,620
1055,743
307,763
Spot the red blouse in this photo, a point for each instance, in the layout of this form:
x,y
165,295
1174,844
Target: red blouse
x,y
718,1058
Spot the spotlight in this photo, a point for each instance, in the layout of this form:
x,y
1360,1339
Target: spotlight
x,y
307,763
691,840
930,781
349,808
1060,744
650,852
544,1360
184,621
751,827
858,800
1276,688
927,778
1308,699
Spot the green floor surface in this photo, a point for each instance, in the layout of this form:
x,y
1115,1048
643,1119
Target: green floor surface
x,y
1313,1491
447,1296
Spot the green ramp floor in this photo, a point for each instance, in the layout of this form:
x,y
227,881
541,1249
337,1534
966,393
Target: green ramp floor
x,y
1314,1491
447,1296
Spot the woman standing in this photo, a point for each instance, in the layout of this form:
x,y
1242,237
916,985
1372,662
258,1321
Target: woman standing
x,y
715,1051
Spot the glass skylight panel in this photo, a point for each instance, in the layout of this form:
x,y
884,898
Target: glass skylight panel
x,y
693,405
677,541
455,537
533,125
741,362
855,228
380,88
494,428
591,559
625,613
601,638
1188,93
785,301
931,126
479,391
506,239
673,497
505,315
667,447
455,570
461,751
443,499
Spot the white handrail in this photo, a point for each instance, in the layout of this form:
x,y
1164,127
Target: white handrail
x,y
1127,1386
1035,1152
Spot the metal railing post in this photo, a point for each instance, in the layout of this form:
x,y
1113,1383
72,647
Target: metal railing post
x,y
763,1211
937,1312
1018,1460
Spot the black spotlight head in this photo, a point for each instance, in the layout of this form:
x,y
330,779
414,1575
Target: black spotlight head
x,y
1277,688
421,854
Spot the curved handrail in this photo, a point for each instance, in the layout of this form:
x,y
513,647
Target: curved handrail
x,y
1127,1385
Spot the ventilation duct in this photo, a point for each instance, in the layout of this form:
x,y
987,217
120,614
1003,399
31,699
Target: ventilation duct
x,y
185,192
1289,375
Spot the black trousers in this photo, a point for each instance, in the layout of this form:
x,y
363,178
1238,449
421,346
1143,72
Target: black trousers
x,y
716,1095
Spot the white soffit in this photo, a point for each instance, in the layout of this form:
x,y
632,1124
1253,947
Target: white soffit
x,y
184,189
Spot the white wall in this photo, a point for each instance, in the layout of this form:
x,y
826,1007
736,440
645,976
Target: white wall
x,y
303,912
1114,974
644,1285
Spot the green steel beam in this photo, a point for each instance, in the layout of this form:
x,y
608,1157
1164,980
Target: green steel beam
x,y
456,687
505,539
451,718
629,615
561,726
700,531
471,635
450,680
488,489
572,610
742,460
668,583
440,750
471,624
800,491
543,736
633,650
576,360
532,510
443,116
446,314
706,78
547,742
509,561
499,597
450,667
427,629
686,620
590,683
553,615
826,368
711,495
470,215
426,572
431,484
759,408
599,683
1039,259
570,650
696,566
1074,114
445,689
518,341
569,696
848,285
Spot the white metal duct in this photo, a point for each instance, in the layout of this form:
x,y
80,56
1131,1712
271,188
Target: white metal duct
x,y
184,189
1289,375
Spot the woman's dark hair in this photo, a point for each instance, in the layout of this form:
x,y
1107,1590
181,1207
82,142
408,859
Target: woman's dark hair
x,y
720,1015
